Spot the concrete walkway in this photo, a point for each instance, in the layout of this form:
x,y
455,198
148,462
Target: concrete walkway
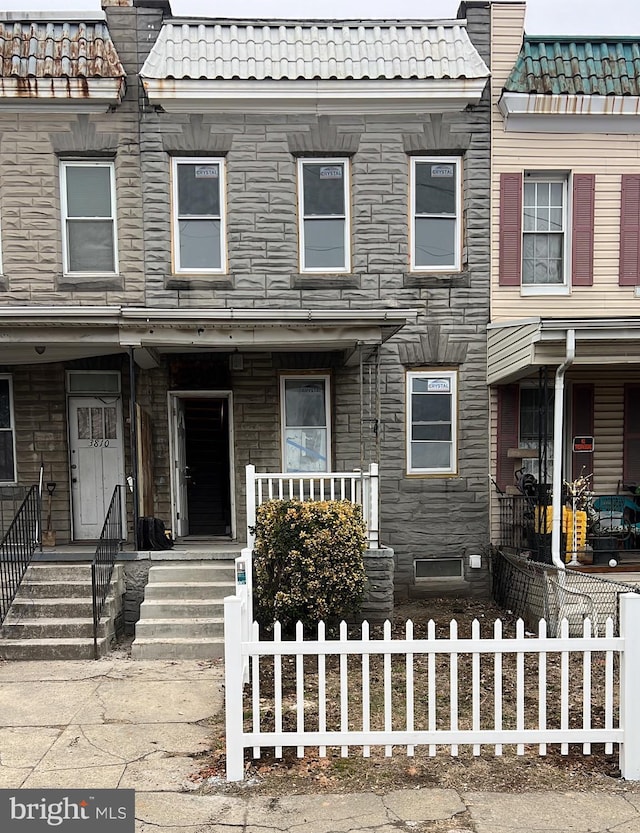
x,y
120,723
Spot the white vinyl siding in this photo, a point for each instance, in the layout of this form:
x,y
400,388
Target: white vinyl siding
x,y
88,201
607,155
198,215
323,196
436,214
306,423
431,422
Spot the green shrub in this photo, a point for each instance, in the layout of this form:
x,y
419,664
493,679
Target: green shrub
x,y
308,561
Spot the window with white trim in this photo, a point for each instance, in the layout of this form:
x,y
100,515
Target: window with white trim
x,y
7,432
198,215
436,213
88,199
323,195
306,425
431,422
544,227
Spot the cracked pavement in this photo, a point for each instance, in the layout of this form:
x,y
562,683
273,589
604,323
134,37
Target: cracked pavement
x,y
141,725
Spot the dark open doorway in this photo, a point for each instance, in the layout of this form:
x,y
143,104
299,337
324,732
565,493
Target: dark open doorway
x,y
206,439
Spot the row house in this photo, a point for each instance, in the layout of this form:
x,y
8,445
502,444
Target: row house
x,y
245,243
563,342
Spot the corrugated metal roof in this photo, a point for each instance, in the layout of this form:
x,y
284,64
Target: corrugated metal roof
x,y
62,49
586,66
310,50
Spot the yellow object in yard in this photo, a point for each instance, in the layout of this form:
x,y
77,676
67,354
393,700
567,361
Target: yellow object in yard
x,y
581,529
543,521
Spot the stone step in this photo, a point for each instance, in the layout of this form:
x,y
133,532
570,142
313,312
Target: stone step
x,y
179,609
55,608
81,628
43,571
209,571
193,590
177,648
51,649
196,628
55,589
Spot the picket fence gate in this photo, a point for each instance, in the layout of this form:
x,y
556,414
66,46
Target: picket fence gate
x,y
245,655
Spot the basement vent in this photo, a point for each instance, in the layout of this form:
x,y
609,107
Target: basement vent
x,y
438,568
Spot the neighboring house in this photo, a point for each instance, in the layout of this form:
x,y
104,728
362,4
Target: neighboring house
x,y
270,250
565,299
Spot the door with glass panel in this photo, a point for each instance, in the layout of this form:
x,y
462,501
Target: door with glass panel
x,y
97,460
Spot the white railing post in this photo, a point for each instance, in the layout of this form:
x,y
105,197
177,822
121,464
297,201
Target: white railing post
x,y
374,507
233,688
250,498
629,686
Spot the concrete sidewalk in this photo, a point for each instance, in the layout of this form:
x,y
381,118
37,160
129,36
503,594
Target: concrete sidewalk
x,y
120,723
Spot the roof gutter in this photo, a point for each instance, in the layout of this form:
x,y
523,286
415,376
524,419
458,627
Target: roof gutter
x,y
558,418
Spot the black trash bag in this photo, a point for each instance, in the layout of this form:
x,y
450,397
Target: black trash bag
x,y
152,535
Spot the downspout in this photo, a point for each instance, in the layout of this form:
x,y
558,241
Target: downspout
x,y
558,418
133,442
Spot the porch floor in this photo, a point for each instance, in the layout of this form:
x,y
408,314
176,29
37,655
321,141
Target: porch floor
x,y
184,549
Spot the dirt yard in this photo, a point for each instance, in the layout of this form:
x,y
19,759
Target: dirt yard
x,y
508,772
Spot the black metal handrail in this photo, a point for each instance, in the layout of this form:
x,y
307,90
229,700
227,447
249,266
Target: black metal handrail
x,y
109,545
17,548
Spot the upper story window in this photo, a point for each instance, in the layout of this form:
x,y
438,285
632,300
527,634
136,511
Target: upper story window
x,y
431,422
198,215
544,231
547,224
7,432
436,214
323,194
89,215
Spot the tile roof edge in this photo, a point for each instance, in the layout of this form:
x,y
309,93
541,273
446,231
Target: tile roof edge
x,y
286,21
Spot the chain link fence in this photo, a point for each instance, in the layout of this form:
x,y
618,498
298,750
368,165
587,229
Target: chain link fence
x,y
532,590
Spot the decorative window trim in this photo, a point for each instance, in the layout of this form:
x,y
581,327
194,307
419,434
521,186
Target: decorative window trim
x,y
346,217
325,378
456,264
176,161
435,374
11,428
96,162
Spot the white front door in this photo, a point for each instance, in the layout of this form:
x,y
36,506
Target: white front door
x,y
97,460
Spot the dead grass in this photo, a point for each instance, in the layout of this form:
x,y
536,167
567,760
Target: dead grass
x,y
465,771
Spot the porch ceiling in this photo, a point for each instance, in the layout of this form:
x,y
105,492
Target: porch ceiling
x,y
516,348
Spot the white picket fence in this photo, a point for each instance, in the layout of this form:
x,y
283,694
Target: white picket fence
x,y
359,487
489,681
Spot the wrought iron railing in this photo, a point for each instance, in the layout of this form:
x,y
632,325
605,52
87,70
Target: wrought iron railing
x,y
109,546
17,547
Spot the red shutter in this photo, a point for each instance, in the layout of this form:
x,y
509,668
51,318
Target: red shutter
x,y
582,426
631,444
630,231
508,430
582,229
510,264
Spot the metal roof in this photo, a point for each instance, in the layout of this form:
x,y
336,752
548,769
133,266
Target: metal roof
x,y
580,65
313,50
57,49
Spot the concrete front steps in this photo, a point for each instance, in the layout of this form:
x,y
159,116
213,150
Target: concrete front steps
x,y
51,616
182,615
